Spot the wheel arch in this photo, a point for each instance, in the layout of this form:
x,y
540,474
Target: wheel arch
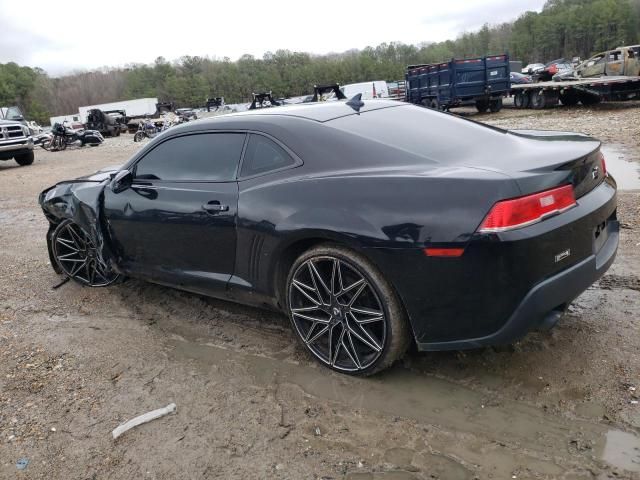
x,y
295,246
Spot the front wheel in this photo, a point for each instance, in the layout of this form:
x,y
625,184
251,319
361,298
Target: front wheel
x,y
24,159
344,312
77,256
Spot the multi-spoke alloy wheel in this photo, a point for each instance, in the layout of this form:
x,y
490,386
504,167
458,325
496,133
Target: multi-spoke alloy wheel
x,y
78,258
339,311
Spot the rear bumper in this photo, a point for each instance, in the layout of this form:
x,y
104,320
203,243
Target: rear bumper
x,y
507,283
554,293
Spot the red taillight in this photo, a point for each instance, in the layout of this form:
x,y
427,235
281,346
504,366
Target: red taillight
x,y
523,211
444,252
604,164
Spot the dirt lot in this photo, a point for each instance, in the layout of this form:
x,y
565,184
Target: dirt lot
x,y
76,362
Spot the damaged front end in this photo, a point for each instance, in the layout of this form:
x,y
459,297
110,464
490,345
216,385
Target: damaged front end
x,y
77,205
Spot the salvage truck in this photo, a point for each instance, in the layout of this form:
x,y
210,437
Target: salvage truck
x,y
481,81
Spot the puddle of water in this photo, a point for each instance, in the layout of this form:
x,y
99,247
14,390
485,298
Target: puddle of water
x,y
622,450
626,173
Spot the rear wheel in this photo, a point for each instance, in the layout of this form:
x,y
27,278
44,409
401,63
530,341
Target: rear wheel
x,y
538,100
344,312
482,105
75,253
587,99
569,98
495,105
138,137
521,100
25,158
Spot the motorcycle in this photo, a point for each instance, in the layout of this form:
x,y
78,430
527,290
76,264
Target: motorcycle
x,y
64,136
43,139
146,129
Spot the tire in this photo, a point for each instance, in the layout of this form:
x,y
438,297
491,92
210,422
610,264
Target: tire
x,y
495,105
587,99
434,104
482,106
521,100
538,101
76,256
355,324
25,159
138,137
569,98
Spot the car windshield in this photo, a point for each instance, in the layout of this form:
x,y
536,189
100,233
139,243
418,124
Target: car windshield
x,y
13,113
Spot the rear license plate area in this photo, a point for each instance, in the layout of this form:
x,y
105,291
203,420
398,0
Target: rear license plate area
x,y
600,235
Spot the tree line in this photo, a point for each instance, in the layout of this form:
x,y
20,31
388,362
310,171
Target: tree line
x,y
563,29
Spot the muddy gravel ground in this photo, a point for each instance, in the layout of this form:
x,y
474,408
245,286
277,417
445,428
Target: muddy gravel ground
x,y
76,362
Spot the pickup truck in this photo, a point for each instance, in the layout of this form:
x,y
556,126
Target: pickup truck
x,y
16,142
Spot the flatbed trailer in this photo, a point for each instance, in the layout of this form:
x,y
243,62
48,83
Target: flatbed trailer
x,y
587,91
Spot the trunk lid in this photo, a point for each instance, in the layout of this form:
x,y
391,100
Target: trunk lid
x,y
540,160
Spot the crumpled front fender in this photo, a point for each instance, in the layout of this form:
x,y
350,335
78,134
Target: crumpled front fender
x,y
82,202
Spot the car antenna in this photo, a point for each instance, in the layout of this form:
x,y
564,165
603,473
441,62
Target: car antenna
x,y
356,102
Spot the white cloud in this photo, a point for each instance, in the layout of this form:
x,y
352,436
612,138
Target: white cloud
x,y
61,37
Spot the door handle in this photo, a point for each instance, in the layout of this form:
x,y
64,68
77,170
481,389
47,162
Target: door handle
x,y
215,206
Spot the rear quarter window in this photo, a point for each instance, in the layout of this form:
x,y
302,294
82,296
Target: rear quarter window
x,y
263,155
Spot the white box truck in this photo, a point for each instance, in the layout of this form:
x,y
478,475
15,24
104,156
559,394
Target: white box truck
x,y
134,108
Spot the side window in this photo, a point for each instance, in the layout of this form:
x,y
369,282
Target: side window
x,y
211,157
264,155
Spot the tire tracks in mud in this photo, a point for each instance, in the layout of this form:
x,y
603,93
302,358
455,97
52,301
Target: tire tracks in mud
x,y
552,443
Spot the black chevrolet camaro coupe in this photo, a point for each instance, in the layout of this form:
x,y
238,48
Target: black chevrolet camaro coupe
x,y
372,226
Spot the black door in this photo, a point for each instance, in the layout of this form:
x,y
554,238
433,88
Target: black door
x,y
177,223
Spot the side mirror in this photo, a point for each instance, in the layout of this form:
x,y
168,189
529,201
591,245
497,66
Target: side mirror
x,y
121,181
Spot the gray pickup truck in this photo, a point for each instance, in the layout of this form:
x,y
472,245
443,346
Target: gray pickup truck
x,y
15,138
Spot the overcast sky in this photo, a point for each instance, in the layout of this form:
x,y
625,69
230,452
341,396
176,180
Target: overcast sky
x,y
63,36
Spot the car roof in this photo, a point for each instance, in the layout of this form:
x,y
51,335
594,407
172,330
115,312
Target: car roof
x,y
318,111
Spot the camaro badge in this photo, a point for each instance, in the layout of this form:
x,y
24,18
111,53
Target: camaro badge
x,y
562,255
